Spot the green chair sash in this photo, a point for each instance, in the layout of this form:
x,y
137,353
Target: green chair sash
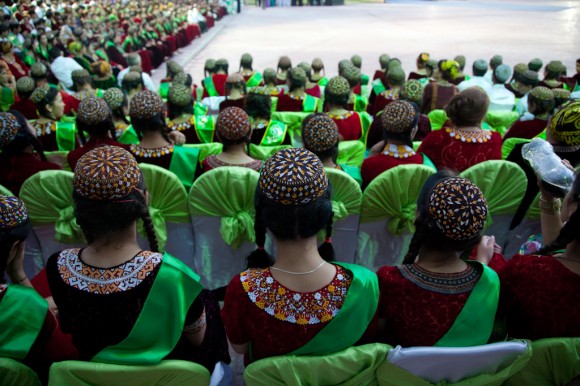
x,y
346,194
204,128
184,163
13,373
161,321
474,324
199,109
22,315
274,134
353,172
365,123
210,87
501,121
255,80
5,191
263,152
378,86
129,136
205,149
294,122
66,136
509,144
437,119
351,153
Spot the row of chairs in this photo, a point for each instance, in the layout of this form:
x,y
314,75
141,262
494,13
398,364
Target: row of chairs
x,y
547,362
211,228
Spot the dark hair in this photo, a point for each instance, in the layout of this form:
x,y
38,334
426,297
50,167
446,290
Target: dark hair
x,y
47,100
469,107
294,83
130,84
288,222
7,239
222,66
98,218
404,137
241,85
569,232
426,231
269,78
445,74
337,100
332,153
23,139
79,82
174,111
258,105
54,53
98,130
541,106
155,123
119,113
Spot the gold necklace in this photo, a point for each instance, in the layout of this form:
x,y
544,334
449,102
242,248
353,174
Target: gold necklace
x,y
299,273
469,136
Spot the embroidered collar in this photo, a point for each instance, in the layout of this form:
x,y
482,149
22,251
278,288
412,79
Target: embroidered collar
x,y
443,283
399,151
151,153
45,128
296,98
477,136
181,126
346,115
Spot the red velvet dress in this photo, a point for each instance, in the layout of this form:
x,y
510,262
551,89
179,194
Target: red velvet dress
x,y
16,169
18,68
160,156
526,129
349,125
26,107
219,81
540,298
289,103
372,167
378,74
448,152
383,100
241,103
314,91
436,96
74,156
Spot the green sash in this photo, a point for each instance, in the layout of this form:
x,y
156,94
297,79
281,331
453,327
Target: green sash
x,y
255,80
204,128
6,98
66,136
129,136
210,87
352,171
102,55
365,124
22,315
164,90
274,134
378,86
161,321
358,309
183,164
199,109
309,104
323,81
474,324
364,80
360,103
428,162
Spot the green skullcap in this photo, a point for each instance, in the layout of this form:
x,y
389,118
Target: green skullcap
x,y
114,98
384,60
535,64
530,78
412,91
298,74
496,60
502,73
38,70
338,86
461,60
25,85
480,65
396,75
179,95
520,68
209,65
541,93
246,60
356,60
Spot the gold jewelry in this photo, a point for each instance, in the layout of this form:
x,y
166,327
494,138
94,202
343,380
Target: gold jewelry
x,y
470,136
399,151
550,206
299,273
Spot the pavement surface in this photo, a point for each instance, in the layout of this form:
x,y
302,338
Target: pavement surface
x,y
517,29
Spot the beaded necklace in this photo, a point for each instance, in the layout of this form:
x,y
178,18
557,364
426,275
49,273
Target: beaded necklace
x,y
399,151
151,153
346,115
45,128
469,136
181,126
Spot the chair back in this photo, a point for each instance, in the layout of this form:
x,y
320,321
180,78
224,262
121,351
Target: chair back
x,y
294,122
5,191
14,373
501,121
221,205
262,152
437,118
387,215
351,153
509,144
205,149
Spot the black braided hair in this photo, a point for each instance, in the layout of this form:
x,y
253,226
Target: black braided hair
x,y
150,231
326,250
7,239
416,242
259,258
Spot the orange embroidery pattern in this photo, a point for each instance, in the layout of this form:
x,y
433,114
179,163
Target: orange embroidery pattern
x,y
296,307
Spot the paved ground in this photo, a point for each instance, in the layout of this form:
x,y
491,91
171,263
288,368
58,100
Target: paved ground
x,y
517,29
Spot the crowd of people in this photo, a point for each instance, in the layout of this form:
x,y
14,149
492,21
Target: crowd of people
x,y
85,92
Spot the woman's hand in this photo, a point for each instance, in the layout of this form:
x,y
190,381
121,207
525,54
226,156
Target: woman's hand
x,y
486,249
176,137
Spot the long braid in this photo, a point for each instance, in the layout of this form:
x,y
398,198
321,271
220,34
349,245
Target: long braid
x,y
150,231
416,242
567,234
259,258
326,250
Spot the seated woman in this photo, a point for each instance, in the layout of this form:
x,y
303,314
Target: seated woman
x,y
461,76
287,305
311,88
83,86
265,131
552,73
30,329
429,298
94,118
356,102
235,92
284,65
541,104
465,143
318,73
233,130
103,75
22,154
539,293
119,106
25,86
270,82
296,99
252,78
107,291
421,72
395,81
399,121
351,125
383,62
52,134
320,136
437,94
132,84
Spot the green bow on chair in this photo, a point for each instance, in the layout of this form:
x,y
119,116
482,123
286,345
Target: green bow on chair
x,y
67,230
403,221
238,228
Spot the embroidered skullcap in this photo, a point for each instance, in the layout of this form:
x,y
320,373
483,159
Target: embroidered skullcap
x,y
317,64
209,65
496,60
146,104
179,78
258,90
396,75
338,85
542,93
535,64
565,123
293,176
502,73
356,60
343,65
235,78
520,68
246,60
480,65
132,76
106,173
298,74
384,60
269,73
233,124
352,75
530,78
555,67
412,91
423,57
399,117
560,93
179,95
221,62
306,67
38,70
12,212
75,47
93,111
174,67
460,59
320,133
25,85
9,128
39,94
136,68
458,208
80,74
395,63
114,98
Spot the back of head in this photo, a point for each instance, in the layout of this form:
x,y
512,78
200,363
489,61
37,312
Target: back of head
x,y
25,86
306,68
502,73
356,61
352,75
38,71
222,65
132,81
235,81
80,79
423,58
259,103
535,64
173,68
54,53
337,91
449,69
179,100
530,78
495,61
468,108
209,66
116,100
320,136
384,61
296,78
94,117
554,70
543,100
565,124
42,97
560,96
519,70
317,65
269,75
14,227
396,76
399,119
412,91
134,59
246,61
146,110
233,126
461,60
343,65
101,68
284,63
479,67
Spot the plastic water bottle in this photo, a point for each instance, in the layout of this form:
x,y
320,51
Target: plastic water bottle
x,y
556,178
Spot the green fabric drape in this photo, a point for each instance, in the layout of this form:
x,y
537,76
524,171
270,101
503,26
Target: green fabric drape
x,y
167,200
555,361
13,373
227,192
294,122
437,119
263,152
501,121
48,197
354,366
390,375
346,194
393,195
166,373
351,153
5,191
503,184
509,144
206,149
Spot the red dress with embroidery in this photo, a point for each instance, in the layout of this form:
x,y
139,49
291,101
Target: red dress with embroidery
x,y
372,167
540,298
274,318
376,130
17,168
446,151
26,107
219,81
314,91
286,102
526,129
187,128
349,125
